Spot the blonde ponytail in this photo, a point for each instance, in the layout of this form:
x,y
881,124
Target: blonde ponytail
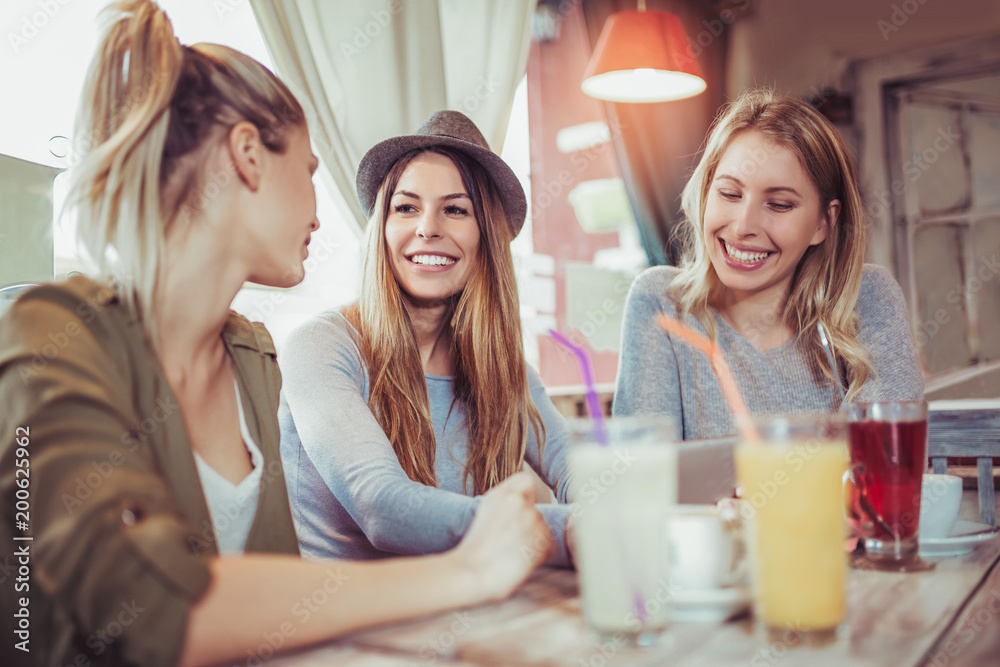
x,y
148,105
121,132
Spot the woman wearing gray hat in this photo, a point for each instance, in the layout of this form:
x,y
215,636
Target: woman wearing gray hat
x,y
401,408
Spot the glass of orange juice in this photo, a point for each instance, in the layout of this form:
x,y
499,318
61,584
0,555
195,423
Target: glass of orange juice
x,y
791,484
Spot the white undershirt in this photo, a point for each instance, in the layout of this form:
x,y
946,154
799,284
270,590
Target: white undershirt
x,y
232,506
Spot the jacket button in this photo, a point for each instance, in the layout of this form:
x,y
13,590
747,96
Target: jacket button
x,y
131,515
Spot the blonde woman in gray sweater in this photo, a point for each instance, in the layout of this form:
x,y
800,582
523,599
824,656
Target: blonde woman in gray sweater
x,y
776,237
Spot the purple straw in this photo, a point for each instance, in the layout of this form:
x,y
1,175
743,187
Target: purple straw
x,y
600,435
587,371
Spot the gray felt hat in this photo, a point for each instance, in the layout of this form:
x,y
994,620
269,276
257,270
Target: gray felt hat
x,y
443,128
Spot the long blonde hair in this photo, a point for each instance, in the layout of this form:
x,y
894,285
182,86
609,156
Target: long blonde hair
x,y
827,281
148,108
490,373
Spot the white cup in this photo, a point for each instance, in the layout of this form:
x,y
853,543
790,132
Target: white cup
x,y
706,551
940,498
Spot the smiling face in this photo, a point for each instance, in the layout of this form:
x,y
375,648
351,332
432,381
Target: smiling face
x,y
762,213
431,232
283,214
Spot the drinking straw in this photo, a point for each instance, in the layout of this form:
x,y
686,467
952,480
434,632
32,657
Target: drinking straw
x,y
587,371
601,436
723,373
824,340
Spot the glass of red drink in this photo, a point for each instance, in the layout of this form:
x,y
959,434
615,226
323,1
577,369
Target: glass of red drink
x,y
888,443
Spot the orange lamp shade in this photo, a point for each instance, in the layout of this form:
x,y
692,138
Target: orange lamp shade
x,y
642,56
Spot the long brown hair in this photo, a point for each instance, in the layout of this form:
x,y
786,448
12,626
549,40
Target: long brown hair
x,y
148,109
827,281
484,320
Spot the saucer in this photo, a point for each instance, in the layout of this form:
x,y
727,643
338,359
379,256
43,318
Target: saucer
x,y
709,605
965,536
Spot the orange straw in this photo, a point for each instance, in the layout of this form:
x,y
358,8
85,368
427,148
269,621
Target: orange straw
x,y
722,371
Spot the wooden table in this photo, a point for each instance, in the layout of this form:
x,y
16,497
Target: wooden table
x,y
949,617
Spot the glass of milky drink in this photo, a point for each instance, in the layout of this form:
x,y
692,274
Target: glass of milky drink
x,y
624,484
791,484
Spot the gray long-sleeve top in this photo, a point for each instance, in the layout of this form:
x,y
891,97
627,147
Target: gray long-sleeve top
x,y
350,498
660,375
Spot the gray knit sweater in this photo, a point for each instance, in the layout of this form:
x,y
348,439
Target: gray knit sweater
x,y
659,375
350,498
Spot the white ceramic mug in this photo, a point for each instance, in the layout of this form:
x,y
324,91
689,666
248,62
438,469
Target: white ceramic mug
x,y
940,498
706,551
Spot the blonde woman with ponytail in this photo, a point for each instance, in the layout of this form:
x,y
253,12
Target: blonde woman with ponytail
x,y
776,234
143,411
401,410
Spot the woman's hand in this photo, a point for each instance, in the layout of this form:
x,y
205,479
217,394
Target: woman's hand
x,y
508,538
571,537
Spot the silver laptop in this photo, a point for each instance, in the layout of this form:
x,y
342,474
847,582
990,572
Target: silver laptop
x,y
705,471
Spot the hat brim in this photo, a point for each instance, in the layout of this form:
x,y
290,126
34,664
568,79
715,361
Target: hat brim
x,y
379,160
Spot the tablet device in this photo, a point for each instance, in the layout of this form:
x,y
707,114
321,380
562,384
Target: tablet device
x,y
705,471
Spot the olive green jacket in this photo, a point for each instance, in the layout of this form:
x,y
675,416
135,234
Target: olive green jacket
x,y
121,532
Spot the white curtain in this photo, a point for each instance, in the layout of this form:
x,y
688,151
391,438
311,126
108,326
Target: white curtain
x,y
367,70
